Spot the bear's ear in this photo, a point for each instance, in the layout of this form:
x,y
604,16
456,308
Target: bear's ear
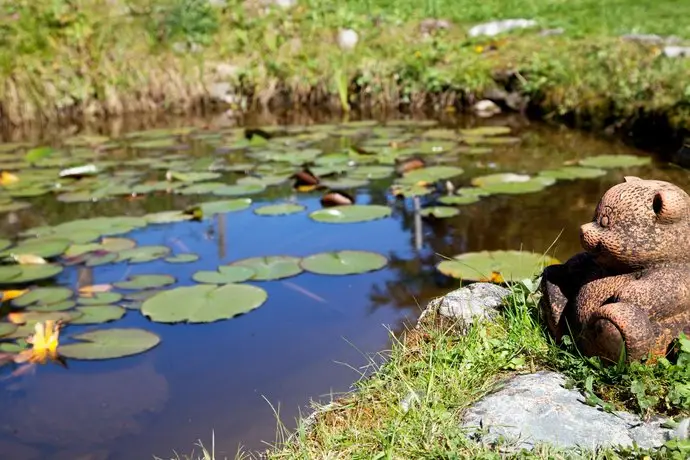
x,y
631,178
668,206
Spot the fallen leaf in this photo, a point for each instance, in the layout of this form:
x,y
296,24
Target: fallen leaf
x,y
12,294
95,288
7,178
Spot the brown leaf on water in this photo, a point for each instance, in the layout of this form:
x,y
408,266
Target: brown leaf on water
x,y
337,199
305,178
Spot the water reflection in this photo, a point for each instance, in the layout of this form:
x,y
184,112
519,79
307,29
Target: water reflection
x,y
215,376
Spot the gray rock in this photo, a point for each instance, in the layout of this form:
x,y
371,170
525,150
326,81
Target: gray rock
x,y
497,27
486,108
478,300
652,39
549,32
677,51
537,408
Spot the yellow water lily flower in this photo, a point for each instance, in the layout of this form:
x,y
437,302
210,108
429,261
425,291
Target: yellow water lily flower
x,y
44,341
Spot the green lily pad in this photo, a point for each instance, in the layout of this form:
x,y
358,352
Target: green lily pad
x,y
458,199
100,298
439,212
117,244
99,314
430,174
201,188
18,274
4,244
42,247
203,303
38,153
166,217
224,275
350,213
193,176
271,267
264,181
371,172
615,161
279,209
483,266
143,254
145,282
58,306
211,208
109,343
237,190
573,172
43,296
97,260
30,318
515,185
182,258
343,262
7,328
411,190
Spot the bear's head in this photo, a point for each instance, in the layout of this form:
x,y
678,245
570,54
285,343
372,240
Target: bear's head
x,y
639,223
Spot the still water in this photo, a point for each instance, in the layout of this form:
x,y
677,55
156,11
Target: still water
x,y
313,336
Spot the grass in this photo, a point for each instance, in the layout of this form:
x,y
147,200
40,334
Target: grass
x,y
437,373
97,58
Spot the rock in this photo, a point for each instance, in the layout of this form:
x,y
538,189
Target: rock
x,y
430,25
225,71
652,39
497,27
347,39
677,51
535,408
486,108
478,300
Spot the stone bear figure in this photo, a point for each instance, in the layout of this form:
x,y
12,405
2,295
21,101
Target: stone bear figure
x,y
631,285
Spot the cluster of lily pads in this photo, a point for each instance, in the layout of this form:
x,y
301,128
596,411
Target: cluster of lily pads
x,y
233,165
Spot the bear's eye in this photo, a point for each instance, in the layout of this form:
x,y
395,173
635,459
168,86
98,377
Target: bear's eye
x,y
604,221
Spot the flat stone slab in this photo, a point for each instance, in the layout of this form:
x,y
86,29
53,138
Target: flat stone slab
x,y
537,407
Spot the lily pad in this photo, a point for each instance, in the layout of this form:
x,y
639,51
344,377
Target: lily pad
x,y
7,328
13,206
101,259
117,244
42,296
42,247
137,282
344,183
615,161
430,174
166,217
203,303
371,172
143,254
238,190
100,298
573,172
271,267
533,184
32,317
18,274
58,306
224,275
458,199
350,213
182,258
343,262
109,343
439,212
99,314
279,209
488,265
211,208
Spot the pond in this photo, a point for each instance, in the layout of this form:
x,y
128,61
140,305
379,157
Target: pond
x,y
251,308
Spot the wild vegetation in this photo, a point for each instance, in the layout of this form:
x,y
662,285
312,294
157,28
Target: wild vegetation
x,y
101,57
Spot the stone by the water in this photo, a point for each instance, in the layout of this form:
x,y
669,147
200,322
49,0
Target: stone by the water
x,y
537,408
470,303
496,27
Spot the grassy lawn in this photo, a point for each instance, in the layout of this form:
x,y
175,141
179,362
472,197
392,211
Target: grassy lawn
x,y
96,57
449,371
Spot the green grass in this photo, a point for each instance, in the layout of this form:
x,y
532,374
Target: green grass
x,y
448,371
91,57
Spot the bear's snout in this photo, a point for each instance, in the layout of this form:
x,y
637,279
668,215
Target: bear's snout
x,y
589,237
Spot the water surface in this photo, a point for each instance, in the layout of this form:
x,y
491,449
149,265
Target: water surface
x,y
222,376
